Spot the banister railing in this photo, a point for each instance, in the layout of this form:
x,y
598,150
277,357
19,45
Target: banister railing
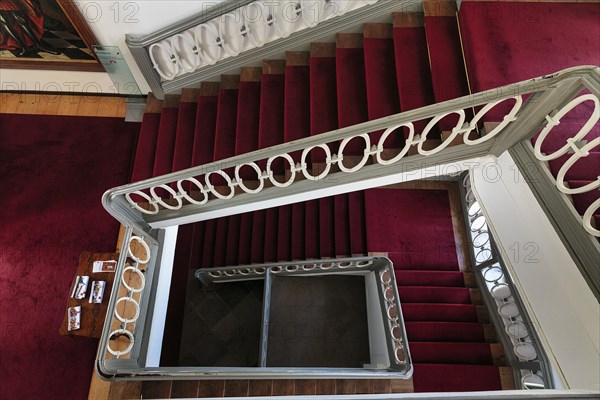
x,y
230,34
524,352
192,195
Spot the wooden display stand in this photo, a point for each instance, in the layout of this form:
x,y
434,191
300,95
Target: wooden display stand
x,y
92,314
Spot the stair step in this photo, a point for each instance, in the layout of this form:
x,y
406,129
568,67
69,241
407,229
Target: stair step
x,y
198,245
351,85
455,378
284,235
270,131
451,353
257,247
248,113
342,226
226,118
165,142
323,91
298,231
429,331
380,70
245,239
415,87
271,235
311,230
429,278
206,122
445,54
326,227
220,254
357,223
208,249
296,123
422,312
184,139
432,294
233,240
143,165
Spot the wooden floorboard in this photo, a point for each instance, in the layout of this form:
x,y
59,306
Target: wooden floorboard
x,y
62,104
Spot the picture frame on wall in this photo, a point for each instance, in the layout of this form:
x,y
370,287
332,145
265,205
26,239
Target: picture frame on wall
x,y
47,35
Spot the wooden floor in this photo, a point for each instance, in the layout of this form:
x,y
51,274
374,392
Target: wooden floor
x,y
63,104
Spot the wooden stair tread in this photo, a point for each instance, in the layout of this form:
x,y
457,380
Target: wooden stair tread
x,y
324,50
409,20
349,40
378,31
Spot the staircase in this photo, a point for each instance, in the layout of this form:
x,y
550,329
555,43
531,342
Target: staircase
x,y
415,61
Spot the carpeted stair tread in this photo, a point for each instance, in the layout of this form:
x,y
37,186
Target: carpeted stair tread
x,y
430,331
284,233
208,248
221,242
226,124
311,230
421,312
323,92
296,121
298,231
380,70
198,245
445,54
270,131
165,142
414,78
341,220
455,378
143,164
326,227
351,98
206,122
429,278
423,240
271,236
184,140
245,239
357,223
451,353
433,294
233,240
257,252
248,112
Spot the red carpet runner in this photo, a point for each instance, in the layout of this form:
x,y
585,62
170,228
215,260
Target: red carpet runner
x,y
54,172
415,227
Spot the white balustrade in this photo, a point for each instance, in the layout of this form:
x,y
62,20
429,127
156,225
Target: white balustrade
x,y
245,28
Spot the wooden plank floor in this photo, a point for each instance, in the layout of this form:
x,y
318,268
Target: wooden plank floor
x,y
62,104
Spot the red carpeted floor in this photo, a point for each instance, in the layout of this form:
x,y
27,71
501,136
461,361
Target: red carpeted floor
x,y
54,172
510,42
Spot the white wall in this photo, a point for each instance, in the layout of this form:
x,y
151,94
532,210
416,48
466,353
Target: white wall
x,y
562,307
110,20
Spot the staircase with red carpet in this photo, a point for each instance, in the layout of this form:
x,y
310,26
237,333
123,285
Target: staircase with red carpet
x,y
389,68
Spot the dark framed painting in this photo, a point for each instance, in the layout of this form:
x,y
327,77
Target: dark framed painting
x,y
45,34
